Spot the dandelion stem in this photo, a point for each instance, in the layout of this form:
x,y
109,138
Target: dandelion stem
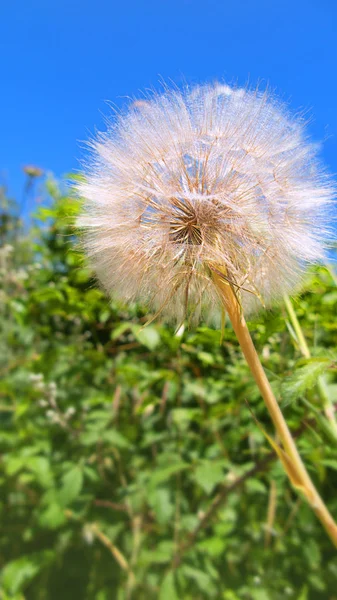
x,y
328,406
293,464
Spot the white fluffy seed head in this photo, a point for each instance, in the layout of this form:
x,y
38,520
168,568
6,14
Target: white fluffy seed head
x,y
209,178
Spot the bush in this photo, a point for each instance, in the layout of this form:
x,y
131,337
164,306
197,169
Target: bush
x,y
131,465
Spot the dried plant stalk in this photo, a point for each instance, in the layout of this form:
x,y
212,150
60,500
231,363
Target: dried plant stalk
x,y
289,456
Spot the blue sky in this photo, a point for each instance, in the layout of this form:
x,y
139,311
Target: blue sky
x,y
62,60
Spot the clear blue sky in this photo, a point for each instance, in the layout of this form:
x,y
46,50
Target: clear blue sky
x,y
61,60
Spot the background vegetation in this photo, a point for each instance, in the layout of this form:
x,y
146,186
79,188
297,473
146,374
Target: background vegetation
x,y
131,465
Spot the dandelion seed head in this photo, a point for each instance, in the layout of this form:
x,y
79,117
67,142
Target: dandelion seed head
x,y
209,178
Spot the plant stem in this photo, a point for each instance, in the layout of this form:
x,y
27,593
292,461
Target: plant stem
x,y
116,553
299,472
328,406
270,513
221,498
297,327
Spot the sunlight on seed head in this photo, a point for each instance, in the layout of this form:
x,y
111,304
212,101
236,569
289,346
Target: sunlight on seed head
x,y
209,177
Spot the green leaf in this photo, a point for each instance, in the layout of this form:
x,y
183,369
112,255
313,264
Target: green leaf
x,y
255,486
115,438
304,593
206,358
208,475
303,379
48,294
72,483
168,590
162,554
91,474
182,417
160,502
161,475
53,516
148,336
14,464
329,462
17,574
119,330
40,466
203,580
325,426
260,594
90,438
312,553
213,546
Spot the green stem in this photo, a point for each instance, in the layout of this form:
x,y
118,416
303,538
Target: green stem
x,y
327,404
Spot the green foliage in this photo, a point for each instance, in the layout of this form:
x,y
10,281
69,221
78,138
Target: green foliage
x,y
116,438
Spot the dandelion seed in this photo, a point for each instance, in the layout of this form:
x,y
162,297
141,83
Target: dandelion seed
x,y
209,177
